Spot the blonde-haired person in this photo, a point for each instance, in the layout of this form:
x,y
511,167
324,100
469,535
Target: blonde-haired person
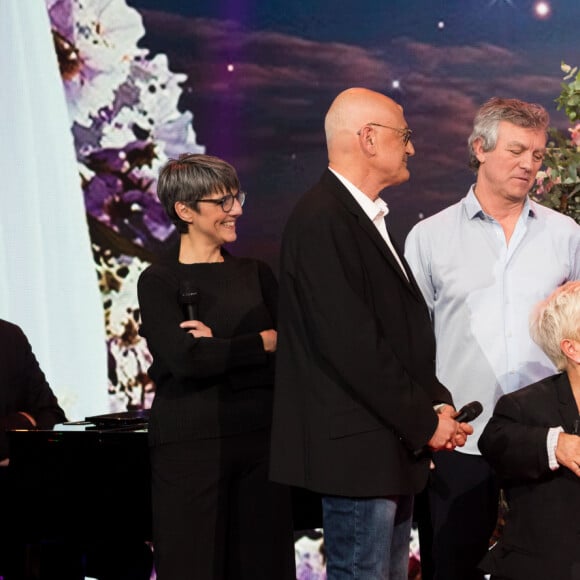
x,y
532,442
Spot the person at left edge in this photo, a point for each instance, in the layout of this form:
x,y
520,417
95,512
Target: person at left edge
x,y
26,399
215,515
26,402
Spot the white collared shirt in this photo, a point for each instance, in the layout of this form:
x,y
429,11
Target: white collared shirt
x,y
376,211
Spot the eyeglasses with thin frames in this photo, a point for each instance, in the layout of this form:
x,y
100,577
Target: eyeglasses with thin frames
x,y
227,201
406,133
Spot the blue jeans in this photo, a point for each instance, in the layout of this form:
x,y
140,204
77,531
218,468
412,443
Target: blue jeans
x,y
367,538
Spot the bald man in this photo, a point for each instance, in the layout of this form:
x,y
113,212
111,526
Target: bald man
x,y
356,391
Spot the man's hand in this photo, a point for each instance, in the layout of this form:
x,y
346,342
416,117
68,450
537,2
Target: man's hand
x,y
28,417
463,432
568,452
444,436
463,429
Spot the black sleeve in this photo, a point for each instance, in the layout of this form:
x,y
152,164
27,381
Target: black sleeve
x,y
185,356
24,387
514,448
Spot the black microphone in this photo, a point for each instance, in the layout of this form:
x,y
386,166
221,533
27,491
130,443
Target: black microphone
x,y
466,414
469,412
188,298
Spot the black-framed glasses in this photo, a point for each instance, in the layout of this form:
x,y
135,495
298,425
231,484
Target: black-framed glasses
x,y
406,133
227,201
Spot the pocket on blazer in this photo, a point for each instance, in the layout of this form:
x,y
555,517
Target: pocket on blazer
x,y
352,422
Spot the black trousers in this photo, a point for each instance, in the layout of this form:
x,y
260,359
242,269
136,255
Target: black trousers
x,y
215,514
460,507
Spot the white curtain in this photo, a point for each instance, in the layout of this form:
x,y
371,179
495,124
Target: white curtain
x,y
48,281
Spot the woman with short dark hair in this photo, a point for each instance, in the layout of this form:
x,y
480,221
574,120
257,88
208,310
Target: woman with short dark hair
x,y
209,319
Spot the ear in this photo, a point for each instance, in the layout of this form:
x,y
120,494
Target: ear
x,y
571,349
184,212
478,150
367,139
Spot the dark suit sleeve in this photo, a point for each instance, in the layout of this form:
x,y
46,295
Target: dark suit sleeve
x,y
23,387
329,283
514,447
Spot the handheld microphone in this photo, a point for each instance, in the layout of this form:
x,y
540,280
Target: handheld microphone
x,y
466,414
469,412
188,298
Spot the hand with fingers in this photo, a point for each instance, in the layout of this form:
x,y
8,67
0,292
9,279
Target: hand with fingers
x,y
568,452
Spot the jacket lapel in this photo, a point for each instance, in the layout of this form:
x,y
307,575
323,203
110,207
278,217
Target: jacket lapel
x,y
345,197
566,403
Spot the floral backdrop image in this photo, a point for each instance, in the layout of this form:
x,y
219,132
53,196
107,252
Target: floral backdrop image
x,y
126,123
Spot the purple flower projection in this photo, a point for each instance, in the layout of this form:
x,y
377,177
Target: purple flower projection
x,y
125,120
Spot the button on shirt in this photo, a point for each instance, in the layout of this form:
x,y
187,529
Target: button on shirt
x,y
481,290
376,211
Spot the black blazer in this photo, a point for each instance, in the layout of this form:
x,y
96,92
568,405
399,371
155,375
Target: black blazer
x,y
541,537
23,387
355,376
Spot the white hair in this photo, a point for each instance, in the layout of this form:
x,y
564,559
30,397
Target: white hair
x,y
556,318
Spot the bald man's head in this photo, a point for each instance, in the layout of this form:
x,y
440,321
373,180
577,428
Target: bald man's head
x,y
355,107
368,140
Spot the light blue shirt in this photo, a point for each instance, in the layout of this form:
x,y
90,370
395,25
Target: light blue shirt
x,y
480,292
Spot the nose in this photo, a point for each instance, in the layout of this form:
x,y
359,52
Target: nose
x,y
527,161
409,148
236,208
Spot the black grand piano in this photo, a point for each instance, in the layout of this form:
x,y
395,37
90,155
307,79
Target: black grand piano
x,y
79,500
89,480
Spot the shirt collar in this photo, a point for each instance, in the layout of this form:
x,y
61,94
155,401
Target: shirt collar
x,y
473,207
373,209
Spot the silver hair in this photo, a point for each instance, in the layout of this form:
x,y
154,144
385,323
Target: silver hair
x,y
191,177
486,123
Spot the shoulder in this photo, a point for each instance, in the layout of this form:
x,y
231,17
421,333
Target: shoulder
x,y
158,269
436,230
9,327
560,222
13,343
535,393
440,221
9,330
325,212
165,272
312,207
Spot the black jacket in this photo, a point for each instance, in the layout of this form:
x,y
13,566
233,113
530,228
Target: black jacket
x,y
541,537
23,387
355,375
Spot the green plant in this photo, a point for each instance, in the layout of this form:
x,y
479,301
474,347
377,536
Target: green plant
x,y
558,184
